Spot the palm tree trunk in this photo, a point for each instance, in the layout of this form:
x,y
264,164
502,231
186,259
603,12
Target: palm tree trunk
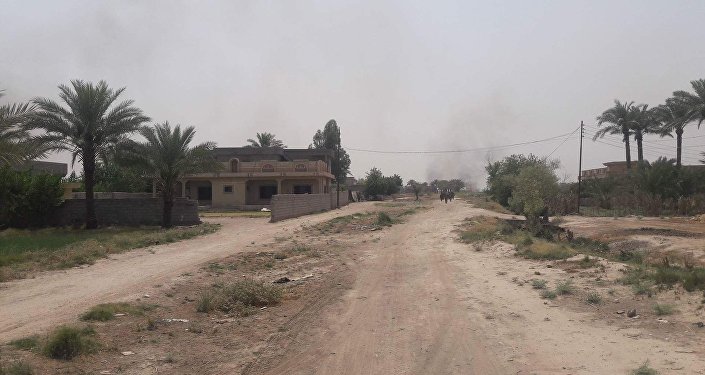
x,y
679,146
89,182
168,205
640,149
627,150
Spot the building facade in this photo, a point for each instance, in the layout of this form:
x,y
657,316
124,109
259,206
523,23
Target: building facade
x,y
250,176
611,169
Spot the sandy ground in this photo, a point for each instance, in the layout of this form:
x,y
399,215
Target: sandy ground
x,y
425,304
30,306
409,299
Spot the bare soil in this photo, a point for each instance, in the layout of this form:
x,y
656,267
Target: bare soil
x,y
405,299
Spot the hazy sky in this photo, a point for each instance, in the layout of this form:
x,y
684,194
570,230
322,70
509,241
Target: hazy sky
x,y
396,75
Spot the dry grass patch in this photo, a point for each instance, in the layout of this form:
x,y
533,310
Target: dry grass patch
x,y
241,298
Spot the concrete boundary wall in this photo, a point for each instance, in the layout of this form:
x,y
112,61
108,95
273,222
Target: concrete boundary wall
x,y
287,206
344,198
128,212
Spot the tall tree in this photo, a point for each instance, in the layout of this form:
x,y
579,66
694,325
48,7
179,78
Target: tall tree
x,y
329,138
694,103
618,120
91,123
265,140
644,121
673,117
166,156
16,145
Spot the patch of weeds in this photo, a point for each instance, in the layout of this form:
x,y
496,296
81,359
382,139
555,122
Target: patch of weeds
x,y
241,297
107,311
383,219
25,343
590,244
692,279
565,287
68,342
644,370
548,294
594,298
301,249
538,284
663,309
17,368
206,302
642,288
542,249
587,262
479,228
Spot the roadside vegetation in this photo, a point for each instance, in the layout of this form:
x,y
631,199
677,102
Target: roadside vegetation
x,y
241,298
26,251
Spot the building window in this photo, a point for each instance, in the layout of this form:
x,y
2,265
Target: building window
x,y
267,168
228,189
300,168
234,164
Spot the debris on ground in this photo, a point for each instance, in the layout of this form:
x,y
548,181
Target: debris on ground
x,y
632,313
126,353
171,320
282,280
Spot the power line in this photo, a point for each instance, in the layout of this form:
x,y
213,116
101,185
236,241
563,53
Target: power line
x,y
661,148
561,144
464,150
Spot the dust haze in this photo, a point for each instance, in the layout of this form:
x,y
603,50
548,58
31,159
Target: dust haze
x,y
396,75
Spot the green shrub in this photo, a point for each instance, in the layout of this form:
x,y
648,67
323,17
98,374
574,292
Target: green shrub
x,y
644,370
107,311
594,298
538,284
26,343
68,342
17,368
663,309
548,294
384,219
565,287
206,303
28,199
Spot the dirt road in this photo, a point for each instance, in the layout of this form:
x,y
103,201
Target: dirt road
x,y
420,303
426,304
32,305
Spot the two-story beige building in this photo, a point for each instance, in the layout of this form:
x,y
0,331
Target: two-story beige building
x,y
250,176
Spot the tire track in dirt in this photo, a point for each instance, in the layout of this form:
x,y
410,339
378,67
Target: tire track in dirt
x,y
400,317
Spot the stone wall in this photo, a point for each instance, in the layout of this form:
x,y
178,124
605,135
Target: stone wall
x,y
128,212
286,206
344,198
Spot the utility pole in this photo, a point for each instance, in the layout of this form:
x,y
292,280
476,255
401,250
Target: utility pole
x,y
580,163
337,178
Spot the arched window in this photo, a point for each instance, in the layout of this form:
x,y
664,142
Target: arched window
x,y
234,165
267,168
300,168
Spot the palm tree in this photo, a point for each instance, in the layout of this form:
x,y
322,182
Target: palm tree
x,y
16,145
87,127
619,120
644,121
694,103
265,140
673,117
166,157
